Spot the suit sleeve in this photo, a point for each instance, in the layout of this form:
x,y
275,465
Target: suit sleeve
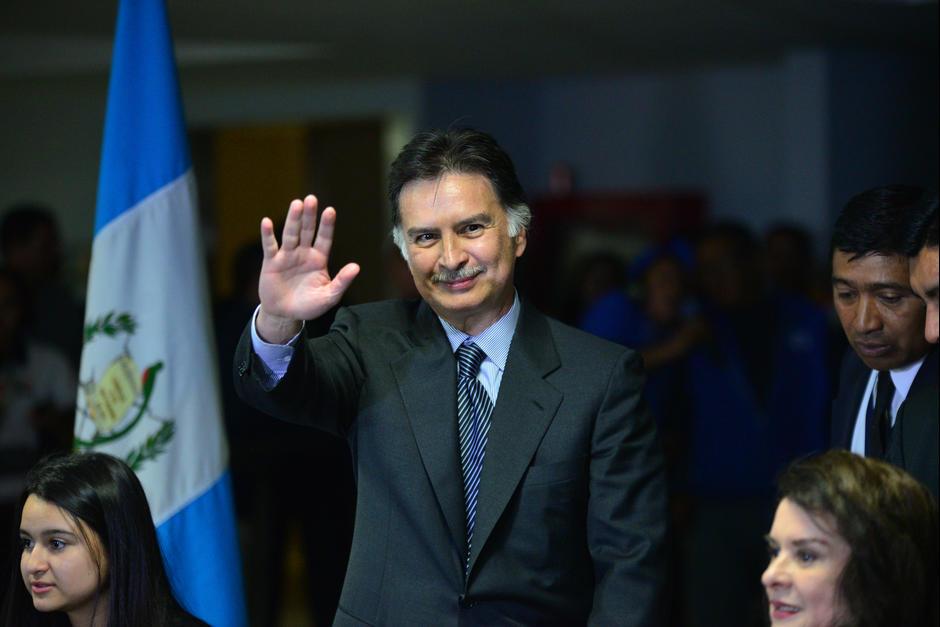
x,y
627,508
322,382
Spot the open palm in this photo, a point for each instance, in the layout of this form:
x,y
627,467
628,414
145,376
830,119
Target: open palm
x,y
295,283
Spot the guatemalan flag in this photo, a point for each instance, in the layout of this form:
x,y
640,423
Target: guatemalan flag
x,y
148,389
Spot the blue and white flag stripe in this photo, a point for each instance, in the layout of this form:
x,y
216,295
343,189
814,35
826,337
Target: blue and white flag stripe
x,y
149,389
143,97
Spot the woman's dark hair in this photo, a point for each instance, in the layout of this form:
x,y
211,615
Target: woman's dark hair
x,y
889,521
103,493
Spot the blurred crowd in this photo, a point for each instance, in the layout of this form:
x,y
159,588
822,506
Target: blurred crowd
x,y
738,338
40,345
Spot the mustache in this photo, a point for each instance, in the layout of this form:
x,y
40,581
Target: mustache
x,y
450,276
876,336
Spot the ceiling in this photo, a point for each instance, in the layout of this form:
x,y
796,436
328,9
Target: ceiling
x,y
460,38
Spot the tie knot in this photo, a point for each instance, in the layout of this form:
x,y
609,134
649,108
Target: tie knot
x,y
469,357
885,387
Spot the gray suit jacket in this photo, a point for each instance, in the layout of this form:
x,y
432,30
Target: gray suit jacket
x,y
571,514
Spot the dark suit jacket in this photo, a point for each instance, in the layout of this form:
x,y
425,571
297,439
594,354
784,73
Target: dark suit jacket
x,y
914,442
571,513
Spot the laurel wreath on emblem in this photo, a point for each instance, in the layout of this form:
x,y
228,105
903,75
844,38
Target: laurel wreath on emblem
x,y
120,399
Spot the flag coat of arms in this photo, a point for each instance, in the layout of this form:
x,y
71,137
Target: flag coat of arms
x,y
148,390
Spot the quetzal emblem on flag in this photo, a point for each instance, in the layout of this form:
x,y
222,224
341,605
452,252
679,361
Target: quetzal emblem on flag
x,y
115,402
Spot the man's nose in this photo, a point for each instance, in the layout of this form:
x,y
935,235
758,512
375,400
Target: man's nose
x,y
867,316
932,325
453,255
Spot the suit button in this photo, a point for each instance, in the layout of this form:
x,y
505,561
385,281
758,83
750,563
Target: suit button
x,y
464,601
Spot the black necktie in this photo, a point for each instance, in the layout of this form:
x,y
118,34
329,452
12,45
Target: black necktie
x,y
878,423
473,423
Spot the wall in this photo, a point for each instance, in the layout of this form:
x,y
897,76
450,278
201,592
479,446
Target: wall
x,y
882,121
752,137
51,129
784,138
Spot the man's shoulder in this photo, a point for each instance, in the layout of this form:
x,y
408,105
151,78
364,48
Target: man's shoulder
x,y
383,328
397,313
851,371
927,374
571,342
572,360
852,364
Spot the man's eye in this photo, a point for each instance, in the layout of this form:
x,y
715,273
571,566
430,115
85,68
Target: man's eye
x,y
473,228
890,299
424,238
845,295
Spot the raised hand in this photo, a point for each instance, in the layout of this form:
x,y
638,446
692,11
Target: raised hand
x,y
295,283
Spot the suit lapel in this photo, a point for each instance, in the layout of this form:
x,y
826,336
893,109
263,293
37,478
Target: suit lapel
x,y
921,401
524,408
427,381
850,401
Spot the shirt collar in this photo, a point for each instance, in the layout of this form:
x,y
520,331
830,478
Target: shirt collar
x,y
903,378
495,340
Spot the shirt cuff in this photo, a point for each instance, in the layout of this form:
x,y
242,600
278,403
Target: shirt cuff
x,y
274,357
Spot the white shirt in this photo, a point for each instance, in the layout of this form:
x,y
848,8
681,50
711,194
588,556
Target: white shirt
x,y
902,378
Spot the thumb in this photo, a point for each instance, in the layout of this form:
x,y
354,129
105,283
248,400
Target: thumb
x,y
344,278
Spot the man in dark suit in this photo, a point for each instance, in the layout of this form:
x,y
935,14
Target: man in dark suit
x,y
924,252
887,401
506,465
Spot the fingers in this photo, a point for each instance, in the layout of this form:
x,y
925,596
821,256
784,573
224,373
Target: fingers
x,y
291,235
299,228
343,278
268,241
308,220
324,241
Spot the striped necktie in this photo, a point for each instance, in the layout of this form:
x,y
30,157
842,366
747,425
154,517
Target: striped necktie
x,y
474,408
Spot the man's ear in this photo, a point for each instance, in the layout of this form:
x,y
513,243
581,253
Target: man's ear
x,y
520,241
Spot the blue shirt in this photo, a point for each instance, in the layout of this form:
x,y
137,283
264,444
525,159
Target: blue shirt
x,y
495,341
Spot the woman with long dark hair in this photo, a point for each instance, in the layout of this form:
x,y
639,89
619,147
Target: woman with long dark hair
x,y
88,550
853,544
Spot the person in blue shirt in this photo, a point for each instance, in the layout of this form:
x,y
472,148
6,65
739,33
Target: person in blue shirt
x,y
759,396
